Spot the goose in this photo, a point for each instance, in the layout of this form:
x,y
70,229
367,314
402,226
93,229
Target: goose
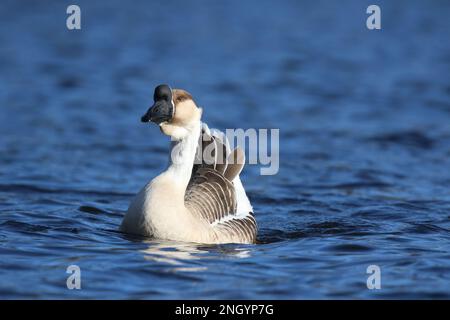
x,y
199,198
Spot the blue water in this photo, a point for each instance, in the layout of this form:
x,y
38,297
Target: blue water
x,y
364,119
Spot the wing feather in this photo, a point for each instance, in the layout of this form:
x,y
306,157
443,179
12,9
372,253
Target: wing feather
x,y
211,194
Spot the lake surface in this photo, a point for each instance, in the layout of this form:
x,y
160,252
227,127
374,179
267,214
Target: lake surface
x,y
364,119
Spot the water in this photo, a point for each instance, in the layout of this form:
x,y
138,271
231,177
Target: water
x,y
364,120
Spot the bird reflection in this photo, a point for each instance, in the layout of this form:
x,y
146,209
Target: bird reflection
x,y
185,256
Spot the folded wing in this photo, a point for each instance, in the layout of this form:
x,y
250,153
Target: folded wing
x,y
211,193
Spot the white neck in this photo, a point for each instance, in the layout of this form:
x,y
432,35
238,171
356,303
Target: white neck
x,y
182,155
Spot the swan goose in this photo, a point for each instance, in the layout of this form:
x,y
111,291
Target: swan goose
x,y
202,202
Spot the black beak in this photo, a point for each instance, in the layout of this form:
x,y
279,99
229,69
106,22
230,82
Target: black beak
x,y
161,111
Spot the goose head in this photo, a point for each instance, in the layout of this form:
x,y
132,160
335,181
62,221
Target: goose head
x,y
174,111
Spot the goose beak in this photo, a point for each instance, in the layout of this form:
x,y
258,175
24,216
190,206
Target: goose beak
x,y
145,118
161,111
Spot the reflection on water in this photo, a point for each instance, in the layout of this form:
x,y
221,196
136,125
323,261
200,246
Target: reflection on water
x,y
179,254
364,146
174,253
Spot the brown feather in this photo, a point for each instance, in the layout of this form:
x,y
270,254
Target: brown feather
x,y
236,161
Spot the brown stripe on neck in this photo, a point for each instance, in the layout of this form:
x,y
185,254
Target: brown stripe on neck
x,y
179,95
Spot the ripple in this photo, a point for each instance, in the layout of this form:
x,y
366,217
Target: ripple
x,y
91,210
24,188
410,138
348,248
22,226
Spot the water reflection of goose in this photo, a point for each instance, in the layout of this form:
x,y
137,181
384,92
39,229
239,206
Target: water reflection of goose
x,y
181,255
173,253
203,203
